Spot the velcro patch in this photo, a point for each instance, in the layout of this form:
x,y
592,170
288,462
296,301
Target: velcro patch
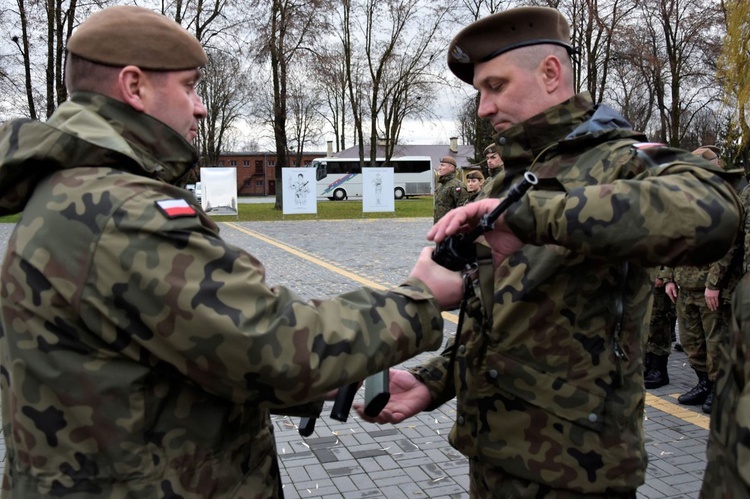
x,y
176,208
458,189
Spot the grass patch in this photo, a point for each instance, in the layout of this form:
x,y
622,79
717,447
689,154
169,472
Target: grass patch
x,y
420,206
330,210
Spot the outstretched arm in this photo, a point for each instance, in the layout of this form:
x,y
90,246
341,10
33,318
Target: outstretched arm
x,y
409,397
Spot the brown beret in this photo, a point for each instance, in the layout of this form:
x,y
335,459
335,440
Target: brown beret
x,y
498,33
448,159
707,153
490,149
126,34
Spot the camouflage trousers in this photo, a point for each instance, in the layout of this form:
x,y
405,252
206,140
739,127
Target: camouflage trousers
x,y
490,482
702,331
661,326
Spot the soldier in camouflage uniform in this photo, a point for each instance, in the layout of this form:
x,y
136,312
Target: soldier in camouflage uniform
x,y
494,161
727,473
703,302
474,183
141,353
728,456
548,370
450,191
660,330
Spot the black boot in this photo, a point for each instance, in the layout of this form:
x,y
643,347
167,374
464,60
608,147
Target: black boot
x,y
709,403
657,376
647,361
699,393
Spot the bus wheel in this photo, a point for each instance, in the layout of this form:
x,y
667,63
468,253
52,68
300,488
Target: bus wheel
x,y
339,194
399,193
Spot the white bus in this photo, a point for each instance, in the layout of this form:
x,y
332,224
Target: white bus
x,y
341,178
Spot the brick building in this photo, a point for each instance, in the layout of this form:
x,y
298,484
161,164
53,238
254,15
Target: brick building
x,y
256,170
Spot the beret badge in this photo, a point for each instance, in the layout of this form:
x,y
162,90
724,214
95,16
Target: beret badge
x,y
459,55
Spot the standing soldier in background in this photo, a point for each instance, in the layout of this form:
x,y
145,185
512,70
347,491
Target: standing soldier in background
x,y
494,161
450,191
547,369
474,183
141,353
702,296
728,454
660,331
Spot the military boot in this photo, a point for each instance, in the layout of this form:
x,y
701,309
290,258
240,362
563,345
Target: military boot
x,y
699,393
657,376
709,403
647,361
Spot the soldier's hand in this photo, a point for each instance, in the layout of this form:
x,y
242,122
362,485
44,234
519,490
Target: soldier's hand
x,y
408,397
501,239
712,298
671,289
446,285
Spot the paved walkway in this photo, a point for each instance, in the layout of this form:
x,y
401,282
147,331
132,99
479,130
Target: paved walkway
x,y
356,459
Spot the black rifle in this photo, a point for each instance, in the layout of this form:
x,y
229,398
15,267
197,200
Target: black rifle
x,y
457,251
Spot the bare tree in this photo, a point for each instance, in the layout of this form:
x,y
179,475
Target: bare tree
x,y
680,33
224,89
290,28
330,78
39,33
305,123
401,41
734,74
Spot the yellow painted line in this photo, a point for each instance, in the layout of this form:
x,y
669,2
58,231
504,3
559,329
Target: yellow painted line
x,y
312,259
678,411
661,404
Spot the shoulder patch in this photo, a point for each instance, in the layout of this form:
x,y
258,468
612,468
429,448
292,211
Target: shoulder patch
x,y
458,188
176,208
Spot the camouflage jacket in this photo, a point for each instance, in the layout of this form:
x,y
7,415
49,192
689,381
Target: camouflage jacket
x,y
140,353
548,373
728,455
745,199
449,193
471,196
688,277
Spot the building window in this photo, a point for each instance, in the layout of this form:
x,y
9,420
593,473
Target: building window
x,y
233,163
246,162
259,183
308,162
271,162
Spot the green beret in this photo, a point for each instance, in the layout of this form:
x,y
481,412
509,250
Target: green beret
x,y
128,35
498,33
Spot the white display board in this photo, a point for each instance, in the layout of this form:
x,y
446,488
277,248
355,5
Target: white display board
x,y
298,192
219,191
377,190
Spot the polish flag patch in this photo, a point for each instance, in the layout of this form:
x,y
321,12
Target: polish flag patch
x,y
176,208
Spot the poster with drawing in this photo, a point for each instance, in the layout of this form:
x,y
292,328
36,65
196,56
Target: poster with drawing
x,y
377,190
219,191
298,193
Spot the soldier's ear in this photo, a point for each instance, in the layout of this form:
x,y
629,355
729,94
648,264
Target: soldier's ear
x,y
131,85
550,71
